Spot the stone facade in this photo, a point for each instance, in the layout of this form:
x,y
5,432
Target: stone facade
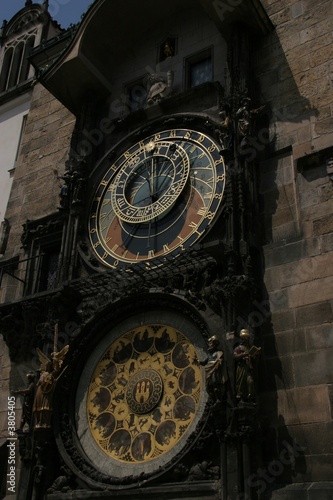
x,y
294,72
288,163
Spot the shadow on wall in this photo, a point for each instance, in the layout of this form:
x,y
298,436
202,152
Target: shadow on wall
x,y
283,457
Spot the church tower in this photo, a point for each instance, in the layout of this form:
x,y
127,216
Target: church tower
x,y
29,28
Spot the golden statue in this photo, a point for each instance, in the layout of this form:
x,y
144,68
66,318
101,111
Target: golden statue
x,y
50,372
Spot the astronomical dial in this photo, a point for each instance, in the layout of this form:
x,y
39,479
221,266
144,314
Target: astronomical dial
x,y
144,394
157,199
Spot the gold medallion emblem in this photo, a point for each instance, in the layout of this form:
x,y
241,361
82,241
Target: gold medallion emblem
x,y
144,391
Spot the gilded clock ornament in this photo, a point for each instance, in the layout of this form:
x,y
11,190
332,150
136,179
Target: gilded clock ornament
x,y
144,395
157,198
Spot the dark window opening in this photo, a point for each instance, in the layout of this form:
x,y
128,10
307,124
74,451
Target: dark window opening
x,y
25,63
137,94
49,270
7,62
42,267
16,66
199,68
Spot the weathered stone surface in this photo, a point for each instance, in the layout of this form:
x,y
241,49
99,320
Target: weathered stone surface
x,y
284,232
286,343
319,290
283,321
314,368
290,252
306,405
323,225
303,490
321,491
319,337
276,373
45,148
327,242
314,314
309,197
320,467
279,300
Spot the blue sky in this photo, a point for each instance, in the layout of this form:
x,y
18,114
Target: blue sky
x,y
63,11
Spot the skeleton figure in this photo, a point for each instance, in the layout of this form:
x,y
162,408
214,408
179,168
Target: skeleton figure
x,y
28,394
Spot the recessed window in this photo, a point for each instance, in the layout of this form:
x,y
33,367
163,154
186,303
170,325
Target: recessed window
x,y
42,242
42,270
49,269
199,68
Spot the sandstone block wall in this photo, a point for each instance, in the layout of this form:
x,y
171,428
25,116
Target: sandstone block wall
x,y
36,187
294,72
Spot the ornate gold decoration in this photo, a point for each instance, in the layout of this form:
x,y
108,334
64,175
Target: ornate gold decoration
x,y
144,394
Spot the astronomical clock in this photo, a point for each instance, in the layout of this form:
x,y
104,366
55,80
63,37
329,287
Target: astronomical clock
x,y
155,246
136,389
137,376
157,198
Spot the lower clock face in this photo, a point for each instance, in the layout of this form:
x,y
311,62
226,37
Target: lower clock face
x,y
158,198
145,397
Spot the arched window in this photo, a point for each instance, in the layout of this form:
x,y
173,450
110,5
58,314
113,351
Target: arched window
x,y
25,63
7,62
16,66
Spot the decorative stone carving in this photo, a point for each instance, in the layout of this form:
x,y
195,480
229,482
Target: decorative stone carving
x,y
158,88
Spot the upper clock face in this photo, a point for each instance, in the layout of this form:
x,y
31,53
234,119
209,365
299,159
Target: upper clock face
x,y
157,198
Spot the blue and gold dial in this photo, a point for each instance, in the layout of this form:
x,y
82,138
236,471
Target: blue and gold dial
x,y
157,199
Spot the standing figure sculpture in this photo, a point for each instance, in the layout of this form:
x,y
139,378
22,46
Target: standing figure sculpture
x,y
50,373
246,120
215,376
28,399
244,357
225,131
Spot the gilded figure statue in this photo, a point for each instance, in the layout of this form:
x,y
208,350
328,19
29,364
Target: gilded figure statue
x,y
50,373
